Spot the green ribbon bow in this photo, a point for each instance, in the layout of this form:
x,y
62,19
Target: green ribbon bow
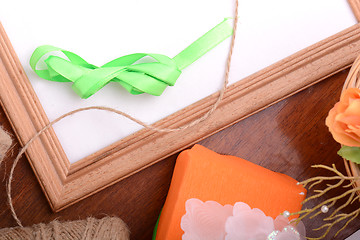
x,y
136,78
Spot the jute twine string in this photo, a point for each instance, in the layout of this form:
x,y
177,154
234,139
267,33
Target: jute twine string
x,y
107,109
107,228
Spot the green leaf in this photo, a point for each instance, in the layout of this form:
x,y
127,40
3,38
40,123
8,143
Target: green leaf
x,y
350,153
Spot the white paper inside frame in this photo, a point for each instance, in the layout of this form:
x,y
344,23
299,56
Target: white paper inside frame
x,y
100,31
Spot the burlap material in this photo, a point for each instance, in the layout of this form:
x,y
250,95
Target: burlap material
x,y
5,143
108,228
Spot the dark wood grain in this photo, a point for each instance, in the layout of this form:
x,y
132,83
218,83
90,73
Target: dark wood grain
x,y
288,137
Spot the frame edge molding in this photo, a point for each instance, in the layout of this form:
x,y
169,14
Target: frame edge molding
x,y
66,184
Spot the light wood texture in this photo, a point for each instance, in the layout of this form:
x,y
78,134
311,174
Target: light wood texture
x,y
287,137
355,6
65,184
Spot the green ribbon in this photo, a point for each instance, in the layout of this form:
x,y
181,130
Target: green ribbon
x,y
136,78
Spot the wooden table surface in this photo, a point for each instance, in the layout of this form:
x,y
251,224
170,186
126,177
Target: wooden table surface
x,y
288,137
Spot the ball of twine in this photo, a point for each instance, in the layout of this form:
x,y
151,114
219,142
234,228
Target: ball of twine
x,y
107,228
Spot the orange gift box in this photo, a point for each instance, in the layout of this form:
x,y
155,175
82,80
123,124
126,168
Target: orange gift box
x,y
203,174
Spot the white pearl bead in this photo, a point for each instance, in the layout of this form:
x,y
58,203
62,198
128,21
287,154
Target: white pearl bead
x,y
324,209
286,214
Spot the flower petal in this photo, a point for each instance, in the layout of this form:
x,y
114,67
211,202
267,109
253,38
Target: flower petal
x,y
204,221
288,233
248,224
280,222
344,119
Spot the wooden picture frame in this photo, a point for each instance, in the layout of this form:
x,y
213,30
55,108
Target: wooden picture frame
x,y
65,184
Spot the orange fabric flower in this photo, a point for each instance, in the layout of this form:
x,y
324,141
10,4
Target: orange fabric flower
x,y
344,118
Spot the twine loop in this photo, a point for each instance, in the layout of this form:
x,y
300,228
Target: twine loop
x,y
183,59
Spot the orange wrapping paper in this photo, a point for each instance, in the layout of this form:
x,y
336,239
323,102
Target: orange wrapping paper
x,y
203,174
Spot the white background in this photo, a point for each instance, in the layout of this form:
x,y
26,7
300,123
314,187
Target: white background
x,y
100,31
